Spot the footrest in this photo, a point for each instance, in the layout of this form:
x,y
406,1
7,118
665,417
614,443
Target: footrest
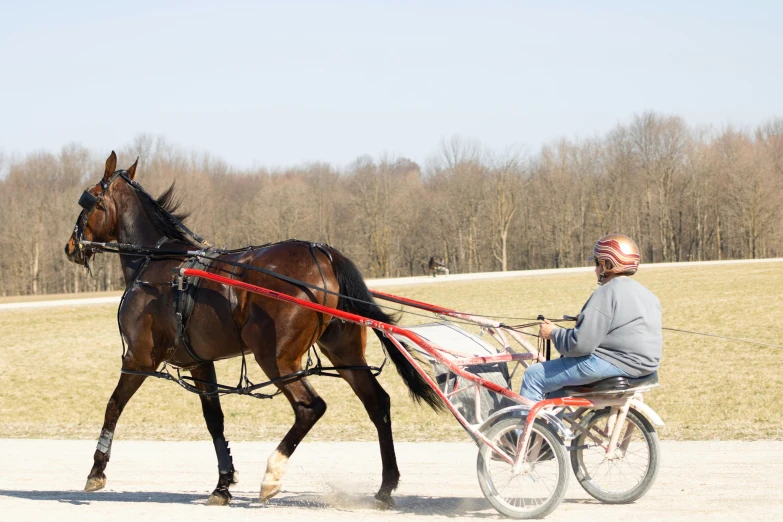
x,y
614,384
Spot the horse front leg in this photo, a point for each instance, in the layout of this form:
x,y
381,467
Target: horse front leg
x,y
308,408
213,415
125,389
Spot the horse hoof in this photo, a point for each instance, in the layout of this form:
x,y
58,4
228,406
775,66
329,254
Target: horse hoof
x,y
385,500
94,484
219,498
268,490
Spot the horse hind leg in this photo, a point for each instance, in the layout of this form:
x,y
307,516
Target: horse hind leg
x,y
378,406
347,349
308,408
126,387
213,415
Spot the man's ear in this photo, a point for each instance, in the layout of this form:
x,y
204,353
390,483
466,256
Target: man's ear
x,y
132,169
111,166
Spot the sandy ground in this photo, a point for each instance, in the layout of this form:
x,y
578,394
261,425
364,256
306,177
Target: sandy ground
x,y
42,480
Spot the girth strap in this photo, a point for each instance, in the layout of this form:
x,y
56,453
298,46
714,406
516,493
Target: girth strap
x,y
185,293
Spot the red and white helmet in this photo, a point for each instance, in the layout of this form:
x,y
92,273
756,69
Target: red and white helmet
x,y
618,253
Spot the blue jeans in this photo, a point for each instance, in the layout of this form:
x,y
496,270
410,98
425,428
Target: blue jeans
x,y
544,378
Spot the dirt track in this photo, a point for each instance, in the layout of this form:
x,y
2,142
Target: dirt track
x,y
42,480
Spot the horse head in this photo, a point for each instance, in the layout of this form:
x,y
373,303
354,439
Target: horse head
x,y
101,204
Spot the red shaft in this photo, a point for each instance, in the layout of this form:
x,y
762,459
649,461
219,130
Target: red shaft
x,y
372,323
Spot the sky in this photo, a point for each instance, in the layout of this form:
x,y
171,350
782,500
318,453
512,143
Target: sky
x,y
271,84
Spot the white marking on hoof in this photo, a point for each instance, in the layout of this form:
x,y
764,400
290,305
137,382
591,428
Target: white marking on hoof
x,y
269,490
272,483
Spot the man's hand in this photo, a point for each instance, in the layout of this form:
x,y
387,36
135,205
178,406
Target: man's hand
x,y
545,329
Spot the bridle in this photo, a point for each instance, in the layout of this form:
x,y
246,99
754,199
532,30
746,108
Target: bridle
x,y
89,203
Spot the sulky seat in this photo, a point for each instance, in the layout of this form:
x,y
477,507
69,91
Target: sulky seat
x,y
614,384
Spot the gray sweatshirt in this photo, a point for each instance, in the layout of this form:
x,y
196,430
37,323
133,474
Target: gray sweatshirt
x,y
620,323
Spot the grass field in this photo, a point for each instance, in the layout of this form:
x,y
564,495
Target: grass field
x,y
54,297
58,366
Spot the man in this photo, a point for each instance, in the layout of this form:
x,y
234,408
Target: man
x,y
617,333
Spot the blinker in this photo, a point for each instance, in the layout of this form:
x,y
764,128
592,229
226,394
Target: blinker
x,y
87,201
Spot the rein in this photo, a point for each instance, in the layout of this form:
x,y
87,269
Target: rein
x,y
153,252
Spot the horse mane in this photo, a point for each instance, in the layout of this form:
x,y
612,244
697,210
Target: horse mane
x,y
164,215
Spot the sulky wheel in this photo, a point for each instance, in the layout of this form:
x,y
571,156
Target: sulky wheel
x,y
631,472
539,486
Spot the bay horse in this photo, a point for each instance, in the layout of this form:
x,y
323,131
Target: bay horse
x,y
226,323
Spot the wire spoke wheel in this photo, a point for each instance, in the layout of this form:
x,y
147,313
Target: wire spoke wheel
x,y
624,476
539,486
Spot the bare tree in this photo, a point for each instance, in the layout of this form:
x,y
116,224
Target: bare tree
x,y
506,178
682,193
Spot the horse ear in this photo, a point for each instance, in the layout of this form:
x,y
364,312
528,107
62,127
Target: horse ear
x,y
132,169
111,166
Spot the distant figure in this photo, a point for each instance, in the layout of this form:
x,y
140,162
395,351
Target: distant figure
x,y
437,266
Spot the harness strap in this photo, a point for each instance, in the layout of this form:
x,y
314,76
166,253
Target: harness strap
x,y
184,302
319,316
222,389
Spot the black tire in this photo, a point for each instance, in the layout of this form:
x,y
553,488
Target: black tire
x,y
621,480
543,483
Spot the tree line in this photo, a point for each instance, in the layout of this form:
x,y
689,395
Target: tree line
x,y
683,193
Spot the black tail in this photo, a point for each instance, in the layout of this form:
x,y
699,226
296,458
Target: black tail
x,y
352,285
